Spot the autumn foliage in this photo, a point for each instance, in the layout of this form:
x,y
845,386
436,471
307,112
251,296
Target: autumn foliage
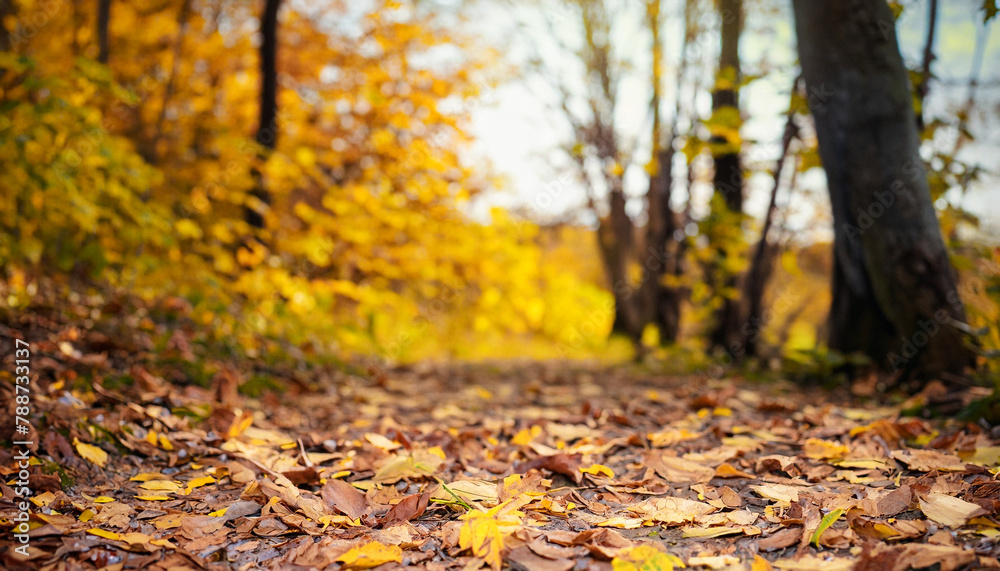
x,y
136,174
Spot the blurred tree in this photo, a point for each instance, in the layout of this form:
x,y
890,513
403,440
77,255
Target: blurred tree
x,y
765,251
267,126
724,227
894,291
662,302
6,10
103,20
643,265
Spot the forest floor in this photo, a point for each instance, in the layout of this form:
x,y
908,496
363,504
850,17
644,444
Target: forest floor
x,y
534,466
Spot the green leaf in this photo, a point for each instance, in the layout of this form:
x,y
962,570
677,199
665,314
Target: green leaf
x,y
828,520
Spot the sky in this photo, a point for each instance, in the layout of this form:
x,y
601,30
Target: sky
x,y
519,133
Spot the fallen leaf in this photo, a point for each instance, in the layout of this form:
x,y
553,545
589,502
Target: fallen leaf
x,y
343,497
371,555
409,508
91,453
947,510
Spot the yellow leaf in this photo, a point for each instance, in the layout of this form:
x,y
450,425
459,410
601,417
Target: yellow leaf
x,y
371,555
621,522
645,558
824,449
197,483
105,534
92,453
982,456
524,437
598,469
240,424
146,476
483,532
103,500
483,538
153,498
169,521
727,470
87,515
42,500
165,443
760,564
161,485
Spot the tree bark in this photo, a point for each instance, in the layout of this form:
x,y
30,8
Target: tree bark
x,y
924,87
894,291
6,9
728,178
267,128
661,304
103,22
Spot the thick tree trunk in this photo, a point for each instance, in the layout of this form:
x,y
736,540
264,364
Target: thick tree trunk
x,y
267,128
103,21
894,291
728,178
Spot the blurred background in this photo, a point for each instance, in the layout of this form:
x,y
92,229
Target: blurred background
x,y
405,180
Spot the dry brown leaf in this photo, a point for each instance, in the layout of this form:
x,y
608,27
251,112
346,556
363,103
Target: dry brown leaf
x,y
341,496
409,508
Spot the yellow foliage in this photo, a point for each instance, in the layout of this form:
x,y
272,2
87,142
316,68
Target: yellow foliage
x,y
138,174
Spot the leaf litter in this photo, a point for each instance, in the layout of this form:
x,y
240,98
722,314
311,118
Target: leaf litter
x,y
548,466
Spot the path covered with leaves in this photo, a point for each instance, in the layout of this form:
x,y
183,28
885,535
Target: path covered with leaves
x,y
524,466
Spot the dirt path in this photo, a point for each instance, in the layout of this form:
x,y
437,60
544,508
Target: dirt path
x,y
524,466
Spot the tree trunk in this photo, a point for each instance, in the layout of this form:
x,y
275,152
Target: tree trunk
x,y
6,9
661,304
894,291
924,87
154,152
728,178
762,259
103,21
267,128
616,235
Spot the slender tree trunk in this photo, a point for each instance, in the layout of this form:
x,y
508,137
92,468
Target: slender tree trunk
x,y
894,291
762,259
103,22
617,246
661,303
6,9
267,128
728,178
923,88
168,90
